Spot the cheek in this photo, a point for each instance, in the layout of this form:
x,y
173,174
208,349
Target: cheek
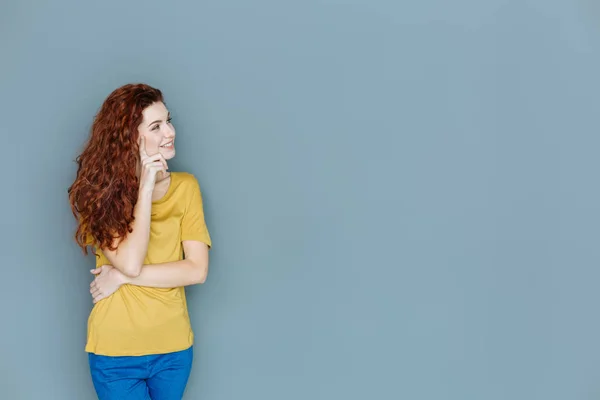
x,y
152,142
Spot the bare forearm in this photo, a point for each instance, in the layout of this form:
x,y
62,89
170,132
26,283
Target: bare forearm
x,y
130,254
169,275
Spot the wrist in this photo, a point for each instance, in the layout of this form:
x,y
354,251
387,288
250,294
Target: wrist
x,y
145,192
126,279
120,277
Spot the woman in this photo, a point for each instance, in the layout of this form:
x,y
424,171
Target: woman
x,y
147,228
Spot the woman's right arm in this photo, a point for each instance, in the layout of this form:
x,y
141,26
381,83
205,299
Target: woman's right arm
x,y
130,253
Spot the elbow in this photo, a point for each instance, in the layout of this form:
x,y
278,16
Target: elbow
x,y
128,264
200,274
132,270
199,279
132,273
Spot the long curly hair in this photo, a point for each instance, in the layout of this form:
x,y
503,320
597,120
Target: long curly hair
x,y
105,190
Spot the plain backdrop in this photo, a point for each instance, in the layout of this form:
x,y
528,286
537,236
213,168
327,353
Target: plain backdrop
x,y
403,196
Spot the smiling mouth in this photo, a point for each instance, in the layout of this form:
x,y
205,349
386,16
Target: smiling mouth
x,y
167,145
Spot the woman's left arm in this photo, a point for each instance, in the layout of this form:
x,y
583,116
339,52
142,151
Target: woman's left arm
x,y
190,271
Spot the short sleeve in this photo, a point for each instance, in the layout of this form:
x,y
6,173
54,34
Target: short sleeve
x,y
193,225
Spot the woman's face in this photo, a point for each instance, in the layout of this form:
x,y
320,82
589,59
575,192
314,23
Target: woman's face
x,y
158,131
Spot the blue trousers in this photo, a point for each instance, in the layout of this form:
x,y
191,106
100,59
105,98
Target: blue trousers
x,y
151,377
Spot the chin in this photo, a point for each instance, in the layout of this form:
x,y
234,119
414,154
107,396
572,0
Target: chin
x,y
168,154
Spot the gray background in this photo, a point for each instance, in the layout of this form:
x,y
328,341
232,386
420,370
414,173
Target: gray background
x,y
403,196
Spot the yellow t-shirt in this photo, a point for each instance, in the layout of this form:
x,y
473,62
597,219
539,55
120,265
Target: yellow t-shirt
x,y
138,320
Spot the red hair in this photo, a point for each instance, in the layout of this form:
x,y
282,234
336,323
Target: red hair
x,y
105,189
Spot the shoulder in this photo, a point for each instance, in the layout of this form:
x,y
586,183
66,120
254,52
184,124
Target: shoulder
x,y
185,178
186,182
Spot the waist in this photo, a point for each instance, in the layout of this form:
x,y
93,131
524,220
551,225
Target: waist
x,y
140,320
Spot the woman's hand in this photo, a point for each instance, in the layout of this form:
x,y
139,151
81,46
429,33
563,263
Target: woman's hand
x,y
150,166
108,280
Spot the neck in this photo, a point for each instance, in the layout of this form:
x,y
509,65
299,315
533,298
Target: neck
x,y
161,176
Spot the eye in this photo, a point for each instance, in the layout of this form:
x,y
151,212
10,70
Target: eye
x,y
169,120
155,127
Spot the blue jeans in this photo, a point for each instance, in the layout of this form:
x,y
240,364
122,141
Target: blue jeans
x,y
151,377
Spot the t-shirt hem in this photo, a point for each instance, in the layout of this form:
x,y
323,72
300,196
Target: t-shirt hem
x,y
100,352
199,238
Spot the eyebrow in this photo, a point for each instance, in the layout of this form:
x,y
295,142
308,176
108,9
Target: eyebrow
x,y
159,120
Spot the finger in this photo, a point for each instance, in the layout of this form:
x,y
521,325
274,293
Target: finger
x,y
154,158
143,147
96,271
99,297
153,166
155,163
164,161
154,169
157,167
95,292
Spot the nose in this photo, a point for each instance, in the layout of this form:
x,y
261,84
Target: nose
x,y
170,132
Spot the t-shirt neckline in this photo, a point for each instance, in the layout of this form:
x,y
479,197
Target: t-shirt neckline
x,y
169,190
